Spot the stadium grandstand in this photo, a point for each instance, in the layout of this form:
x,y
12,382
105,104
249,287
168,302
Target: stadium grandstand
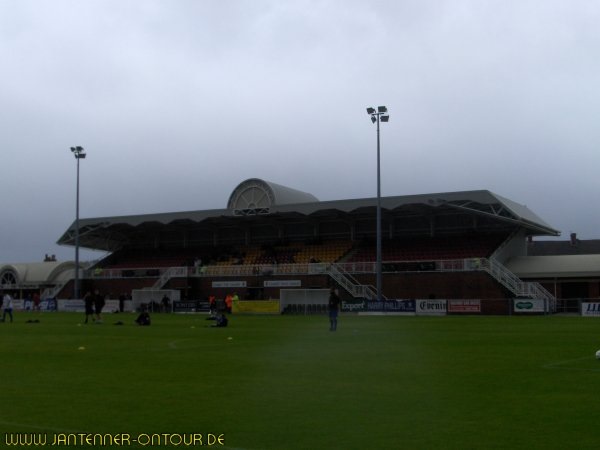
x,y
271,238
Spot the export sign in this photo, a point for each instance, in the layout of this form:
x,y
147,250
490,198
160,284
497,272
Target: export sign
x,y
353,305
464,306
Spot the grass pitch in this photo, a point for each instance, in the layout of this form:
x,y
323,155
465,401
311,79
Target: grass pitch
x,y
286,382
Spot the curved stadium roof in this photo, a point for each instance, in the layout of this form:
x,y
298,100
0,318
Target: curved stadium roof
x,y
256,199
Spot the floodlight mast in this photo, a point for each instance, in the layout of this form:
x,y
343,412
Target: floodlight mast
x,y
79,153
381,115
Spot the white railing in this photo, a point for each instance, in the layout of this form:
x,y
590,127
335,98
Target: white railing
x,y
513,283
348,282
53,291
337,272
341,272
171,272
348,269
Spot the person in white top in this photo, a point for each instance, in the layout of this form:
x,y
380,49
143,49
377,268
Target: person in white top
x,y
7,304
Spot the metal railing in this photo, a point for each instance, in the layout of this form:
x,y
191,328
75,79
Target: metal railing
x,y
53,291
513,283
171,272
350,284
340,272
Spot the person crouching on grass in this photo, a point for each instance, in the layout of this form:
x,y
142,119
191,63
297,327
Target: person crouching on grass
x,y
143,319
221,321
334,307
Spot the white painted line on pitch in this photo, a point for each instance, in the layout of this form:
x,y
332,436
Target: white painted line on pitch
x,y
177,345
560,365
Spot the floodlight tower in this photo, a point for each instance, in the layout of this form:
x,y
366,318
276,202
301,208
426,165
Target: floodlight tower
x,y
79,153
381,115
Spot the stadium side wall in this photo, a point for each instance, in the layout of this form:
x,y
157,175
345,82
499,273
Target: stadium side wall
x,y
515,246
255,286
455,285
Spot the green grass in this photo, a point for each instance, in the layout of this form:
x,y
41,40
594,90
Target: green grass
x,y
288,383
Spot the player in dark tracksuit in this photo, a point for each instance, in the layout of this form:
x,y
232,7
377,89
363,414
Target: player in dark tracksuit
x,y
89,306
334,307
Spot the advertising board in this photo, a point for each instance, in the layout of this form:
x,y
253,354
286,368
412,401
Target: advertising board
x,y
431,307
528,305
282,283
228,284
190,306
257,307
464,306
386,306
590,309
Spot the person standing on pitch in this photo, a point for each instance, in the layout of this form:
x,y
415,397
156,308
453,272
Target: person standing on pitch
x,y
334,307
88,301
229,303
98,305
235,302
7,304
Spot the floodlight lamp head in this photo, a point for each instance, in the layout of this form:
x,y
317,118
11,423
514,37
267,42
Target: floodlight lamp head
x,y
385,118
373,119
370,110
382,109
78,152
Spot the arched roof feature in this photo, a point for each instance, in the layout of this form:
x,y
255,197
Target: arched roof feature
x,y
33,274
255,196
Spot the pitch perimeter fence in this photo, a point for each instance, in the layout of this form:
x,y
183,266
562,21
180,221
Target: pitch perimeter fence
x,y
306,303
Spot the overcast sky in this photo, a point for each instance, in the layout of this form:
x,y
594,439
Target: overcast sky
x,y
178,101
